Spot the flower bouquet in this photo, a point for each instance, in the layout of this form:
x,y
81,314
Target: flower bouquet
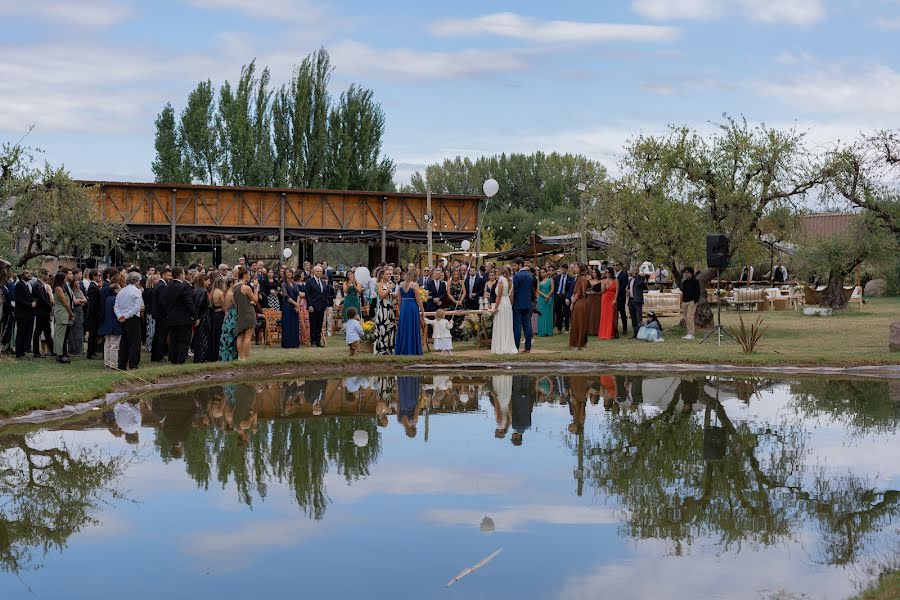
x,y
368,328
424,295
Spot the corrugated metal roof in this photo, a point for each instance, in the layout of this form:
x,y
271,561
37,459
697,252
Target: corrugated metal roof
x,y
826,223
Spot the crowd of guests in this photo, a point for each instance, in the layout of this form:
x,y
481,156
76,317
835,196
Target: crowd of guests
x,y
211,314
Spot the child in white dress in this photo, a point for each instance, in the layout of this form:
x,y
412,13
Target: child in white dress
x,y
441,327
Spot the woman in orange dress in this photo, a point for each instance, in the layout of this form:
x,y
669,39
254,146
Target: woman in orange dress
x,y
579,306
608,307
304,313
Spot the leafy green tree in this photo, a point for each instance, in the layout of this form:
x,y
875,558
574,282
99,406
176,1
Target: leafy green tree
x,y
49,212
170,165
356,127
244,126
197,134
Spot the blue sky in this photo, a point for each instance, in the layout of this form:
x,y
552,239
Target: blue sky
x,y
465,77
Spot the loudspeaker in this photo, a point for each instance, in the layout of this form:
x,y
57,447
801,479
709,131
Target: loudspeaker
x,y
716,251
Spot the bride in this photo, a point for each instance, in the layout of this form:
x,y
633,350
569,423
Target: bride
x,y
502,341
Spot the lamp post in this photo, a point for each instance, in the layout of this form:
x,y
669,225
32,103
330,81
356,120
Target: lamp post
x,y
490,189
428,220
582,187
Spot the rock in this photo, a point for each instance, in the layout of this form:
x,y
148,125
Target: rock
x,y
894,342
876,287
817,311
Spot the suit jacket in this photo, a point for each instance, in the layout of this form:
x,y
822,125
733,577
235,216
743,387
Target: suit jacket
x,y
622,279
94,307
570,286
157,306
41,297
23,297
638,289
179,304
523,284
477,287
437,290
317,295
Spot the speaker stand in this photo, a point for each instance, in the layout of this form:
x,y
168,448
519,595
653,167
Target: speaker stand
x,y
719,331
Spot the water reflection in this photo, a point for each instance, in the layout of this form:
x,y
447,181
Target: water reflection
x,y
725,461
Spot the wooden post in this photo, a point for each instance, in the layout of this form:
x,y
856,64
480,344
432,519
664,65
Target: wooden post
x,y
172,218
281,231
383,231
478,235
430,219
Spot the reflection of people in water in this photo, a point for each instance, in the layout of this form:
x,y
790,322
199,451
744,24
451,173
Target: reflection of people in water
x,y
244,417
410,391
502,387
578,404
688,392
314,393
521,407
175,414
609,393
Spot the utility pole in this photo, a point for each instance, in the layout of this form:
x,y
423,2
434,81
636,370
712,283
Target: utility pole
x,y
583,218
430,219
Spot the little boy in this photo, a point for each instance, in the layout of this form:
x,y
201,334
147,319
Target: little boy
x,y
354,331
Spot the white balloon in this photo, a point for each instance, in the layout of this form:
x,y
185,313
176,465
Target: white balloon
x,y
491,187
466,244
363,276
361,438
287,253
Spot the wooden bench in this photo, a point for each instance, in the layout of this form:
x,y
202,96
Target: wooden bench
x,y
749,298
663,303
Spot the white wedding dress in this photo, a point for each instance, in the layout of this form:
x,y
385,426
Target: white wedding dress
x,y
502,341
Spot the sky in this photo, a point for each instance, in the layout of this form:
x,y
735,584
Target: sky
x,y
462,78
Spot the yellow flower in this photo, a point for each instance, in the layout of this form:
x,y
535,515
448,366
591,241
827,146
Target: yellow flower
x,y
368,326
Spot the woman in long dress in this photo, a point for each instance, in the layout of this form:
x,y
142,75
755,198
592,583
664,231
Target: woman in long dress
x,y
457,294
351,295
502,341
228,337
200,341
300,278
608,313
594,290
545,305
290,312
385,319
245,320
579,304
216,315
408,341
270,290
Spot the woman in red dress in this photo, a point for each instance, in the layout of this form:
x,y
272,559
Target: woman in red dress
x,y
608,307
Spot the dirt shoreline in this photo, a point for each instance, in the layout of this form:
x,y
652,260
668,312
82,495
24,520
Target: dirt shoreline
x,y
134,388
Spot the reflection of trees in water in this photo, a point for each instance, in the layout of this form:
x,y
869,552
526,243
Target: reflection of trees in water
x,y
755,486
295,452
47,495
865,406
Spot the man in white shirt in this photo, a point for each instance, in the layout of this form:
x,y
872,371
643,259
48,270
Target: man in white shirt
x,y
128,308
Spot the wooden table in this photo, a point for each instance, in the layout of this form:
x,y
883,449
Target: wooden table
x,y
483,339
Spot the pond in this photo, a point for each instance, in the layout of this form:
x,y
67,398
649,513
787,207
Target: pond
x,y
501,485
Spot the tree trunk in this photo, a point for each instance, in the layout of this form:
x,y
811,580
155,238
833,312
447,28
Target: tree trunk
x,y
704,317
833,294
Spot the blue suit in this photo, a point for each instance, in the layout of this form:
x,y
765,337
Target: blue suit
x,y
523,285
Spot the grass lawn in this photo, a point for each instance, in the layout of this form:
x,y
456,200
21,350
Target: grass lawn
x,y
853,338
886,588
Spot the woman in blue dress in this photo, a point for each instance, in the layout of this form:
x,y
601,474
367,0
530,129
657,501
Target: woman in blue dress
x,y
290,311
409,328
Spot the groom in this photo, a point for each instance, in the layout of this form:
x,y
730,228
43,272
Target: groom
x,y
523,291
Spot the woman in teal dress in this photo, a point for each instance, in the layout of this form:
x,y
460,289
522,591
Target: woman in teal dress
x,y
227,345
351,294
545,305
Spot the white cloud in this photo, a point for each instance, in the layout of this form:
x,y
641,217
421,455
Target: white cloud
x,y
511,25
78,13
518,518
277,10
888,23
404,63
422,480
793,12
795,58
286,533
870,91
661,89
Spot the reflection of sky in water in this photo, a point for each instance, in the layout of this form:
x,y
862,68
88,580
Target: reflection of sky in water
x,y
408,528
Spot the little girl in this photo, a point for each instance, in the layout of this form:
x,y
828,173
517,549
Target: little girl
x,y
651,330
443,340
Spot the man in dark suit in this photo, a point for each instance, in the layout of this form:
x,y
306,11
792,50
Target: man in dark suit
x,y
316,302
621,297
94,313
43,308
8,318
523,296
474,286
181,315
636,288
437,292
522,405
563,284
157,309
425,277
25,305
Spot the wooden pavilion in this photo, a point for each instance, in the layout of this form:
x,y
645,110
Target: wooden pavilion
x,y
181,215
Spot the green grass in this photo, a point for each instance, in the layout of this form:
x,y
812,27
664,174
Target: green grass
x,y
886,588
853,338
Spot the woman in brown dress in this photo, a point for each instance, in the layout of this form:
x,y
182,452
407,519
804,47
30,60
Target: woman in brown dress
x,y
579,304
593,300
